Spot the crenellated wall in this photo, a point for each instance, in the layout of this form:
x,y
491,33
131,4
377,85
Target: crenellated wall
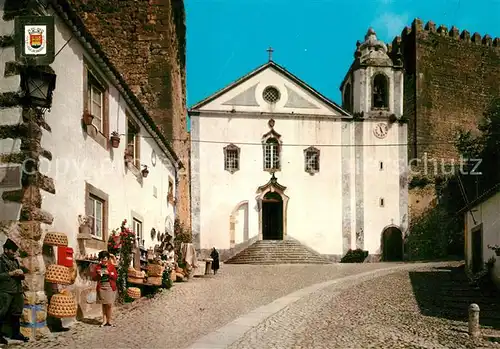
x,y
450,78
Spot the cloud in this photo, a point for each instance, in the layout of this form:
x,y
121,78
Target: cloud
x,y
391,24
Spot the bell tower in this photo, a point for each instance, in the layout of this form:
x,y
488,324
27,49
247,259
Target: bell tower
x,y
373,87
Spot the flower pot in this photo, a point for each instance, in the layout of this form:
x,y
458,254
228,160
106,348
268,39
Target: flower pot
x,y
145,173
115,141
87,119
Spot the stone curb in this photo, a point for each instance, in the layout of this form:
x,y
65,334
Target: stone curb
x,y
233,331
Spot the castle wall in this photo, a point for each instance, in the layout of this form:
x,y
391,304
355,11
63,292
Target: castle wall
x,y
146,42
455,77
450,78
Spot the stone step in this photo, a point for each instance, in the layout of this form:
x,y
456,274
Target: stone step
x,y
277,252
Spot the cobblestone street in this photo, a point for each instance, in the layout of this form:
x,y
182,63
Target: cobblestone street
x,y
346,306
191,310
380,313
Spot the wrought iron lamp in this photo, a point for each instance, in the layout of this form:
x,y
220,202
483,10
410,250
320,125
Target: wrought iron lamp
x,y
38,87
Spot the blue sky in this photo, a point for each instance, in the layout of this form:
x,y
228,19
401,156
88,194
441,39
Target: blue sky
x,y
313,39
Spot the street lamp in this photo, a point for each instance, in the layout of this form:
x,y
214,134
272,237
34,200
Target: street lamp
x,y
38,87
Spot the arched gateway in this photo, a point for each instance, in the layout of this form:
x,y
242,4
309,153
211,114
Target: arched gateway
x,y
392,244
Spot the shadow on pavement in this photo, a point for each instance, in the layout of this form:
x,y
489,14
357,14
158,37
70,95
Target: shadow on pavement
x,y
445,292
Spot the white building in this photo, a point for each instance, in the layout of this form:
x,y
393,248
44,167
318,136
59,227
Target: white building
x,y
482,233
90,176
273,158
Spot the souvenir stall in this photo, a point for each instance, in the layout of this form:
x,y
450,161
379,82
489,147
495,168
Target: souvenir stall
x,y
157,275
146,276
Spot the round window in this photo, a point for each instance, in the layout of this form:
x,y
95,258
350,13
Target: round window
x,y
271,94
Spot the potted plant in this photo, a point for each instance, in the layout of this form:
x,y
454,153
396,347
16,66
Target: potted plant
x,y
87,118
145,171
115,139
495,248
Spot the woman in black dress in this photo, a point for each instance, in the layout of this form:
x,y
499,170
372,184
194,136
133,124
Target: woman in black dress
x,y
215,264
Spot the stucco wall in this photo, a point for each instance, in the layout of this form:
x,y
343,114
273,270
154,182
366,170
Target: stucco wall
x,y
77,158
149,50
486,214
316,206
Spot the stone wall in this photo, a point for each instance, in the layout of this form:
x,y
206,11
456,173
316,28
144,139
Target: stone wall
x,y
146,42
20,144
451,77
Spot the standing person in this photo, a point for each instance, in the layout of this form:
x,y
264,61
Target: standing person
x,y
11,291
106,275
215,264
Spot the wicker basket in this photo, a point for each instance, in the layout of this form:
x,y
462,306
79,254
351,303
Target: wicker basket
x,y
134,292
155,280
58,274
62,305
155,270
134,280
55,239
136,274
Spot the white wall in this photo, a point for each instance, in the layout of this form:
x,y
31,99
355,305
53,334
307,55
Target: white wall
x,y
381,184
77,158
486,214
315,205
314,209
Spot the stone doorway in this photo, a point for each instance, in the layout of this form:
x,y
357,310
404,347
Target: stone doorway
x,y
272,216
392,244
272,206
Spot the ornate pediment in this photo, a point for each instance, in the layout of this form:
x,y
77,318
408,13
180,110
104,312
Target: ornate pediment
x,y
272,186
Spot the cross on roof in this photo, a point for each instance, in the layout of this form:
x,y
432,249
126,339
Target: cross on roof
x,y
270,52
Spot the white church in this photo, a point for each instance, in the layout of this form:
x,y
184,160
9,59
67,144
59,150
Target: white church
x,y
272,159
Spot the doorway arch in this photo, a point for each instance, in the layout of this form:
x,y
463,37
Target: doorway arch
x,y
272,216
272,204
392,244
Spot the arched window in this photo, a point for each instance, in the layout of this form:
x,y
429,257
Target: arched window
x,y
311,160
380,91
346,99
231,158
271,154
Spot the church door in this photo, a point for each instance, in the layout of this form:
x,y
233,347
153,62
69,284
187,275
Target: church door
x,y
392,245
272,217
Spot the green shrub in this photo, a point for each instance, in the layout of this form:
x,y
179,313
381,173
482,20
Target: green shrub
x,y
354,256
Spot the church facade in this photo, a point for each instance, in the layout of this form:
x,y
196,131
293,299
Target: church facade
x,y
272,158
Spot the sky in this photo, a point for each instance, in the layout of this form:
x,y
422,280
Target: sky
x,y
313,39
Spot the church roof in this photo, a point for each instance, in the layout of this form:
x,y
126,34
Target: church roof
x,y
283,71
